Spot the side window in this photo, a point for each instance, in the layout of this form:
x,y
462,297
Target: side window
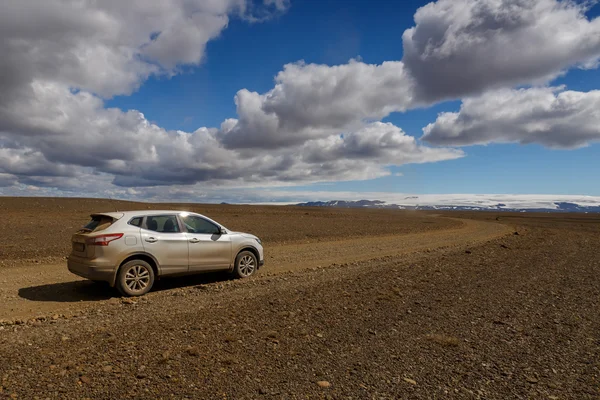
x,y
195,224
162,223
137,221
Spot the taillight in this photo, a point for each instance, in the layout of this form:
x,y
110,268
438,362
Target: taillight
x,y
103,240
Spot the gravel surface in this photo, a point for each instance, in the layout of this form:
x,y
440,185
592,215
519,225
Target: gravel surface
x,y
514,317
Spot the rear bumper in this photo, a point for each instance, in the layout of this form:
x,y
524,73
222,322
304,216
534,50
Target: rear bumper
x,y
92,269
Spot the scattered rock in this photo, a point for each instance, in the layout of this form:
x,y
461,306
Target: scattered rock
x,y
128,300
531,379
193,351
324,384
107,368
85,379
165,356
411,381
516,233
468,251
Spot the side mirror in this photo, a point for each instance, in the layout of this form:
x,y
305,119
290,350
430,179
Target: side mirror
x,y
221,231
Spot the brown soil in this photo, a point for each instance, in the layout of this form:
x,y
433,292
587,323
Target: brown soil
x,y
479,313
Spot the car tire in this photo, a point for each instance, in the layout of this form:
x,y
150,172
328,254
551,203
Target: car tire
x,y
245,265
135,278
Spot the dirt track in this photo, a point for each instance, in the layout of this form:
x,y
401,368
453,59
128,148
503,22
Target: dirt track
x,y
34,290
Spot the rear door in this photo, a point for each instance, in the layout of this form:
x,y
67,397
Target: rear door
x,y
163,238
208,249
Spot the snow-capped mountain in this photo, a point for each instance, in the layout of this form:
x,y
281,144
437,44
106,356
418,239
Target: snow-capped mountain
x,y
518,203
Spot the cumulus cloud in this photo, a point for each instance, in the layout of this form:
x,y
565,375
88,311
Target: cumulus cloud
x,y
311,101
60,130
105,47
553,117
463,47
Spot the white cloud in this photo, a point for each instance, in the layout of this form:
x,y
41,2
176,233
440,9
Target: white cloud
x,y
552,117
60,130
106,47
314,101
463,47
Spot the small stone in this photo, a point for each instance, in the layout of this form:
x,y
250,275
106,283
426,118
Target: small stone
x,y
411,381
531,379
107,368
128,300
262,391
141,375
55,317
85,379
166,356
319,335
193,351
323,384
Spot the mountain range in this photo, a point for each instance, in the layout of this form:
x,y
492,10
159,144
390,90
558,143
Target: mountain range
x,y
412,204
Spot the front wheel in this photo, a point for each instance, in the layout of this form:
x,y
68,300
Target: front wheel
x,y
245,265
135,278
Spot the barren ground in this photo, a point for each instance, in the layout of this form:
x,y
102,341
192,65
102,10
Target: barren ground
x,y
379,304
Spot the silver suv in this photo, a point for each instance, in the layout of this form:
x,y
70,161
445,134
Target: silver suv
x,y
131,249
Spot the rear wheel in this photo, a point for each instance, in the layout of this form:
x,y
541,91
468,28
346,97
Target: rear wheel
x,y
245,265
135,278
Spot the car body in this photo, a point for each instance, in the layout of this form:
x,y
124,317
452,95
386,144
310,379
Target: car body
x,y
157,243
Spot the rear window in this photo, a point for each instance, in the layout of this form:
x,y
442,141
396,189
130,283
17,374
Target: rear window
x,y
98,223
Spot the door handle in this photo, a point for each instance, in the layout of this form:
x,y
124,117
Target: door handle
x,y
151,239
194,240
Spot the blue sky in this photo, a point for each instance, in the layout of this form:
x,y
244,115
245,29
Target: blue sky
x,y
332,32
190,82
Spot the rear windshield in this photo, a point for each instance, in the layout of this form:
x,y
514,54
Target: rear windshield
x,y
98,223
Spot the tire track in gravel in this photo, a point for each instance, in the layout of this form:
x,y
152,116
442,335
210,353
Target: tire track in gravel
x,y
35,290
295,257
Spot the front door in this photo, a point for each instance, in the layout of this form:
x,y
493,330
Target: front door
x,y
163,238
208,249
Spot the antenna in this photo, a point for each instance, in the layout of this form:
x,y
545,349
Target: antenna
x,y
113,203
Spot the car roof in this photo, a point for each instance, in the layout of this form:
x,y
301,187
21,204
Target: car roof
x,y
141,213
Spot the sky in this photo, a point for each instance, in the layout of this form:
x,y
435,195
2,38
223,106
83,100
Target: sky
x,y
291,100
